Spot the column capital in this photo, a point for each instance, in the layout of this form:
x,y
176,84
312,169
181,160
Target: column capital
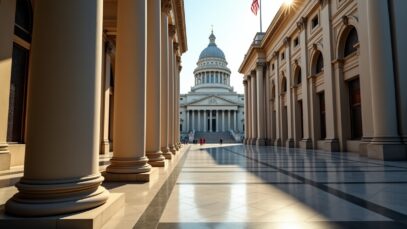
x,y
323,3
172,30
166,6
302,23
260,64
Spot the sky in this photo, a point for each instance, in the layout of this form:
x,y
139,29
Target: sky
x,y
234,26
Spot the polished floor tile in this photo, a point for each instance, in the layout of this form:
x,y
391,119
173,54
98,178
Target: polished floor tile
x,y
238,186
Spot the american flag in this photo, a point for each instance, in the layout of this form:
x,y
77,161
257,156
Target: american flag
x,y
255,6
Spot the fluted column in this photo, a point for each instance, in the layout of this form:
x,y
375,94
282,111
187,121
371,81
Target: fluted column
x,y
187,120
165,10
289,96
106,93
7,18
249,110
177,94
205,121
153,130
234,121
61,170
210,121
193,120
261,138
171,92
217,121
223,120
386,143
199,120
129,158
245,109
254,108
229,120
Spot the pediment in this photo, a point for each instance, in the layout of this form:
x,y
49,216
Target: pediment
x,y
212,101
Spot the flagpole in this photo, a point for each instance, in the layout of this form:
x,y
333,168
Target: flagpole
x,y
261,27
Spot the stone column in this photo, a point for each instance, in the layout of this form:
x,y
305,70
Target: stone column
x,y
261,140
229,120
171,92
254,108
386,143
279,121
223,120
246,134
205,121
217,121
187,120
306,142
129,161
331,142
199,121
61,170
249,110
7,18
193,119
153,129
165,10
234,121
210,121
289,95
106,91
177,93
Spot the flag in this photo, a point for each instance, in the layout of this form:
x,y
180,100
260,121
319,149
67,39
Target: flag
x,y
255,6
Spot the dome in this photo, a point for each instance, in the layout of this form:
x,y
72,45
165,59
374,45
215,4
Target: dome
x,y
212,51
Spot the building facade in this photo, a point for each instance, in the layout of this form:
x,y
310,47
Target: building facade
x,y
329,74
212,105
79,79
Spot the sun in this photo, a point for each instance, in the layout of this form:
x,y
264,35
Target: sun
x,y
288,2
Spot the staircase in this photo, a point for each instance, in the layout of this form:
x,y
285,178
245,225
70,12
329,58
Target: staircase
x,y
214,137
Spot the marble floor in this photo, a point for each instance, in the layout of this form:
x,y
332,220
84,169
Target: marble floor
x,y
237,186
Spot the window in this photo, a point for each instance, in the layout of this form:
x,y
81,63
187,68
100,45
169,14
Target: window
x,y
355,103
297,77
296,42
282,55
319,65
314,22
272,67
351,41
322,115
284,85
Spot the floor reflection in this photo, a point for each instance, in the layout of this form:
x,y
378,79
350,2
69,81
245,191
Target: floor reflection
x,y
220,186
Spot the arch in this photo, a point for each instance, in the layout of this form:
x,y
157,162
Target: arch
x,y
317,63
284,84
297,75
347,41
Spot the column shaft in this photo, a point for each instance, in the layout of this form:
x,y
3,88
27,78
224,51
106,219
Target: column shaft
x,y
165,82
254,108
205,121
260,104
61,170
223,120
199,120
153,129
130,93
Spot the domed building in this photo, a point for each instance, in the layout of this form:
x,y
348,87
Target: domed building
x,y
212,109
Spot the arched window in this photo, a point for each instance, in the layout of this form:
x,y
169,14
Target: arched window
x,y
297,76
351,41
284,85
319,64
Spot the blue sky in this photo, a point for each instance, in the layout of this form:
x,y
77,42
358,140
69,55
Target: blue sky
x,y
234,27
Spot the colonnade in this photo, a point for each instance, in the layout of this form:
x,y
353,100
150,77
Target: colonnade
x,y
212,77
61,170
212,120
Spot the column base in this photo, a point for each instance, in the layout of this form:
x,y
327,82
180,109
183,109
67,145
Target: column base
x,y
48,198
166,153
387,151
105,148
306,144
253,141
363,151
5,157
94,218
261,142
156,158
130,177
277,142
127,169
332,145
290,143
173,149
